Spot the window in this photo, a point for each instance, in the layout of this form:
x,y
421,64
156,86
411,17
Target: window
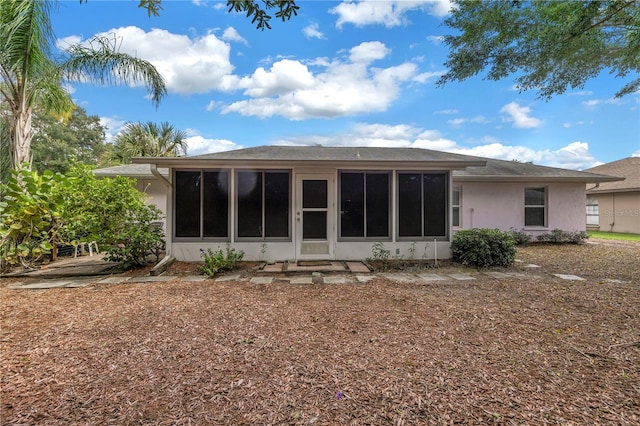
x,y
422,204
535,203
593,212
201,204
263,204
364,205
455,203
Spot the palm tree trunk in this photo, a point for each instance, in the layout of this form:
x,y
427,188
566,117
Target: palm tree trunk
x,y
20,135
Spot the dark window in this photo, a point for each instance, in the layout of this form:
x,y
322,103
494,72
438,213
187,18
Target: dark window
x,y
364,204
201,204
187,196
422,204
263,204
535,200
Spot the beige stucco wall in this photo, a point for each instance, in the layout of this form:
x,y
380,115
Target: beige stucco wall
x,y
619,211
156,194
501,205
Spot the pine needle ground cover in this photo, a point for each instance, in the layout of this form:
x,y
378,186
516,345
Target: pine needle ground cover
x,y
533,350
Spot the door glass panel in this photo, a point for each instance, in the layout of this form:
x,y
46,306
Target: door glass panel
x,y
314,225
314,194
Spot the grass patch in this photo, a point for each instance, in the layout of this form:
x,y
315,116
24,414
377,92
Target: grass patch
x,y
614,236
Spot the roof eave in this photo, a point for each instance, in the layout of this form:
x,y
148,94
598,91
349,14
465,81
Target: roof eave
x,y
202,162
532,178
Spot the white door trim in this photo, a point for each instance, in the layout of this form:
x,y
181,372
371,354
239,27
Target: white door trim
x,y
314,249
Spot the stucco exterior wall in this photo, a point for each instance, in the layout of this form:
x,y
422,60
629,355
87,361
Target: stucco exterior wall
x,y
619,211
501,205
156,193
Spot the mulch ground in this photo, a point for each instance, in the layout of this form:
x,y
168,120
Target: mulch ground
x,y
534,350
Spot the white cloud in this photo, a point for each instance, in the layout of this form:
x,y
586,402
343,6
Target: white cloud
x,y
389,13
435,39
636,153
230,34
446,112
457,122
196,65
339,88
519,116
197,145
574,156
112,126
313,31
590,104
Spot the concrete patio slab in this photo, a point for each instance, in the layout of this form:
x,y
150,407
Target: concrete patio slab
x,y
365,278
194,278
357,267
113,280
400,277
154,279
499,275
261,280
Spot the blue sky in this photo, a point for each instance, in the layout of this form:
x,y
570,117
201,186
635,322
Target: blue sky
x,y
358,73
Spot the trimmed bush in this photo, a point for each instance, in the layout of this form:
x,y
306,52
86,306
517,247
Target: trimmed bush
x,y
558,236
216,261
483,247
520,238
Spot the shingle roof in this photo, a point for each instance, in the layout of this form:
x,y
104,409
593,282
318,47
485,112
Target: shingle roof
x,y
501,170
128,170
629,168
477,168
343,154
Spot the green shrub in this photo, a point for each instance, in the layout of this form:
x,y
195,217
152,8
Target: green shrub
x,y
558,236
216,261
29,217
483,247
520,238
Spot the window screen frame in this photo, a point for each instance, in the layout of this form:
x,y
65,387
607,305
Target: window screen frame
x,y
458,189
544,206
201,207
366,237
447,204
236,202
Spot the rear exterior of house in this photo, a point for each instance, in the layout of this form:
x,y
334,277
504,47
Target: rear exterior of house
x,y
615,206
321,203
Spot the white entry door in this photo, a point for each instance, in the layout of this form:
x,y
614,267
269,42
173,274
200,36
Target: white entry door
x,y
314,216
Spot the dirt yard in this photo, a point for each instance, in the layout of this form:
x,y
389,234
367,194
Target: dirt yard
x,y
535,350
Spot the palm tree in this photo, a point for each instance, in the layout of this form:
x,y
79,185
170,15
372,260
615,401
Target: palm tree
x,y
30,75
149,140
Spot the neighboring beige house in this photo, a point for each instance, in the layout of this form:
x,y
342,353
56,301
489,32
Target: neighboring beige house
x,y
615,206
321,203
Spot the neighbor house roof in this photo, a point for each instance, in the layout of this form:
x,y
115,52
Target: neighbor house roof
x,y
514,171
629,168
319,155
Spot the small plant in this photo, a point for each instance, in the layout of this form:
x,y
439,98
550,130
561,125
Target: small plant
x,y
412,250
380,254
520,238
483,247
216,261
558,236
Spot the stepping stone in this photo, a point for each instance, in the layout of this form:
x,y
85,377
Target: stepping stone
x,y
569,277
195,278
461,277
336,280
230,277
401,278
274,267
357,267
364,278
432,277
41,285
301,280
151,279
531,265
261,280
113,280
499,275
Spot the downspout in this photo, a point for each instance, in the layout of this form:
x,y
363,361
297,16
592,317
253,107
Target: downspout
x,y
168,259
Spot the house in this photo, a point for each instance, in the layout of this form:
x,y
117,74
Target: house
x,y
615,206
306,203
